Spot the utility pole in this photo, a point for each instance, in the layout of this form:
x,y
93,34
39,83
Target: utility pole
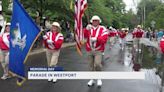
x,y
144,16
0,5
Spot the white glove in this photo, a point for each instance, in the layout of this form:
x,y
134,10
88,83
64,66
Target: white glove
x,y
93,39
89,26
45,37
49,41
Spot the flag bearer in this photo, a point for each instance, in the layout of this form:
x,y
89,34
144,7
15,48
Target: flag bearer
x,y
96,36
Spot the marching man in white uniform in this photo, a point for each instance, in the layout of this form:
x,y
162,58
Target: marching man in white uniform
x,y
53,41
4,56
96,36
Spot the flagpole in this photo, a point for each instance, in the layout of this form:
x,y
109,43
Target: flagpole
x,y
32,45
78,50
80,7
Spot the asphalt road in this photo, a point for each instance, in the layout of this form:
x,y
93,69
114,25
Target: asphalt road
x,y
71,61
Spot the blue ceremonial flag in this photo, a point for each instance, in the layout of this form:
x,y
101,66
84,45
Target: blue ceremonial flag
x,y
23,33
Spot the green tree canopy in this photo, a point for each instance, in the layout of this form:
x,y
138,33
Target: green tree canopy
x,y
112,12
151,9
157,16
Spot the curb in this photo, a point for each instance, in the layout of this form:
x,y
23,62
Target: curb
x,y
41,50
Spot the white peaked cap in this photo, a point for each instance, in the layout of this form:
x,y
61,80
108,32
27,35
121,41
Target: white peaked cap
x,y
123,29
56,24
95,17
110,27
139,26
8,24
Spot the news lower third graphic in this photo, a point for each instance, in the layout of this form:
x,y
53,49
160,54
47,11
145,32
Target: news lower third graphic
x,y
37,73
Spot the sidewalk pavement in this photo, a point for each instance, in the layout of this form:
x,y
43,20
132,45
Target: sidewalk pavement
x,y
42,49
144,41
147,42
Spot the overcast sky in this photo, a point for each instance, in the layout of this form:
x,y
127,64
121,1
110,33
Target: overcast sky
x,y
131,4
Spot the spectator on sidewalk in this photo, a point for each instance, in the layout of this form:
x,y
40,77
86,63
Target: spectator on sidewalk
x,y
68,32
47,23
153,35
53,41
96,36
160,35
4,55
148,34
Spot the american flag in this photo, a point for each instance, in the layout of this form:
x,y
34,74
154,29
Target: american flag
x,y
80,7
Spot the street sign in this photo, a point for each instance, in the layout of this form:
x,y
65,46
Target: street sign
x,y
153,23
